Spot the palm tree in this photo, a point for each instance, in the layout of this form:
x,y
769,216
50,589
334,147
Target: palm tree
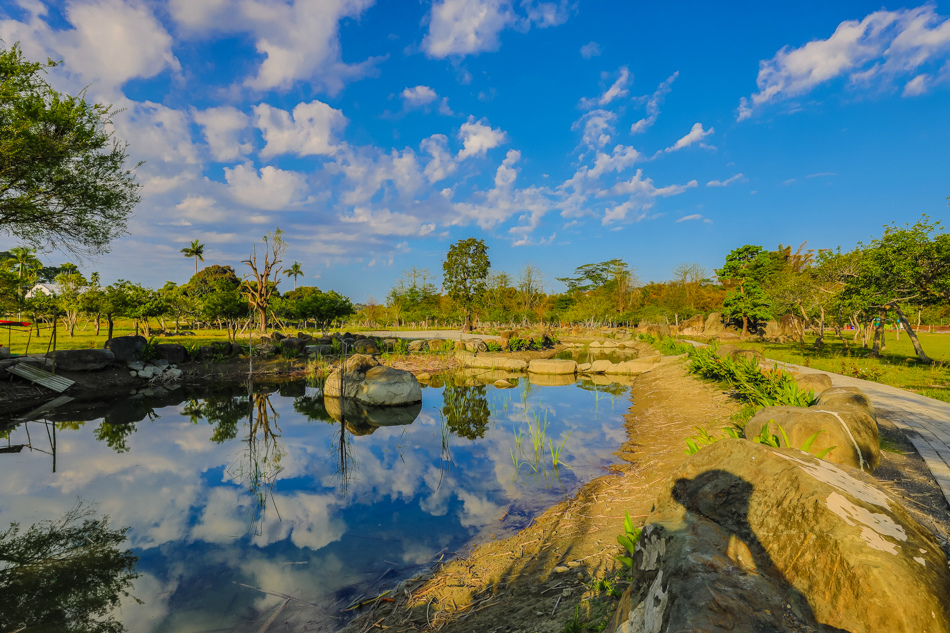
x,y
23,259
294,271
197,251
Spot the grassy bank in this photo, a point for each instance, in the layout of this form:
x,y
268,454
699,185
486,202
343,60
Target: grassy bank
x,y
897,366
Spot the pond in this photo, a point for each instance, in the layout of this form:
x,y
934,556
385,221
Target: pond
x,y
240,507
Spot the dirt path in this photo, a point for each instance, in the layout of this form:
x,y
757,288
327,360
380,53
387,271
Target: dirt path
x,y
534,580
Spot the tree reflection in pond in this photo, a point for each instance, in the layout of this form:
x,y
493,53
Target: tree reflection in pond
x,y
65,575
260,463
465,410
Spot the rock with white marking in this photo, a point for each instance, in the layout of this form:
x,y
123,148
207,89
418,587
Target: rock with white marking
x,y
844,419
749,538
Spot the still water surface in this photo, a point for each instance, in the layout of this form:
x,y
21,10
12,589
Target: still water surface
x,y
239,506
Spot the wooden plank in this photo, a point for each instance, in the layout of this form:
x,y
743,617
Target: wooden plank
x,y
41,377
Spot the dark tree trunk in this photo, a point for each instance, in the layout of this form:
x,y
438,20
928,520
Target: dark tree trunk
x,y
878,345
109,318
913,335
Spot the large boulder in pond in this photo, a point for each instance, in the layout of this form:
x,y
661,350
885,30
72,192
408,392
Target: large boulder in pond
x,y
81,359
363,419
126,348
372,384
748,538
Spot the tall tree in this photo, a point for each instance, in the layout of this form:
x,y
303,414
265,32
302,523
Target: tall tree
x,y
465,270
744,270
63,176
294,271
196,250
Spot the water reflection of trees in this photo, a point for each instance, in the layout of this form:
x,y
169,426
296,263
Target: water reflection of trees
x,y
65,575
260,463
465,410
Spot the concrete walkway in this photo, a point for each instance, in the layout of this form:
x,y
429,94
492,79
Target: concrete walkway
x,y
925,421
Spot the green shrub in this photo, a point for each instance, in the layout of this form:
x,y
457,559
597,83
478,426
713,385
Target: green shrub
x,y
760,388
629,539
671,347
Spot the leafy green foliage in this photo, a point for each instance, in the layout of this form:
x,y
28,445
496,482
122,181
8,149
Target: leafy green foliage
x,y
466,411
761,388
697,442
745,270
465,271
775,441
65,575
63,177
629,540
671,347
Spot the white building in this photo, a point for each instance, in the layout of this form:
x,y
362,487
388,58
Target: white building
x,y
49,290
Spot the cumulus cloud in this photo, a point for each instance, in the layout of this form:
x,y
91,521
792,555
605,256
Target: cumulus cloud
x,y
222,130
270,189
638,185
618,160
726,182
442,164
367,171
299,40
465,27
877,50
590,50
653,103
695,135
311,132
423,96
200,209
478,137
110,41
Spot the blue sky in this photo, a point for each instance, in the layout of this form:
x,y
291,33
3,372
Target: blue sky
x,y
375,134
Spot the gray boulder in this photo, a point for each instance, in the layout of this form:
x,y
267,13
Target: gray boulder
x,y
418,345
81,359
476,345
319,350
294,345
748,538
172,352
126,348
816,383
372,384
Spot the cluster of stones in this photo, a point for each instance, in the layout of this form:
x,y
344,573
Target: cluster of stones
x,y
159,370
713,326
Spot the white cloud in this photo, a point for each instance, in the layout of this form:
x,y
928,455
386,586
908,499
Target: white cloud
x,y
312,132
201,209
619,88
620,159
442,164
478,137
156,133
597,126
418,96
590,50
422,96
695,135
689,218
638,185
653,103
367,170
726,182
465,27
271,189
110,43
299,40
222,130
880,48
504,200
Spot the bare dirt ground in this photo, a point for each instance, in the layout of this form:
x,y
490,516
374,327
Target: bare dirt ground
x,y
559,573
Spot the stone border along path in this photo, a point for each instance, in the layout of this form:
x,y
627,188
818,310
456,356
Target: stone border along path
x,y
925,421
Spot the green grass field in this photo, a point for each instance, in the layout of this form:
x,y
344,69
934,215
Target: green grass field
x,y
18,338
898,365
